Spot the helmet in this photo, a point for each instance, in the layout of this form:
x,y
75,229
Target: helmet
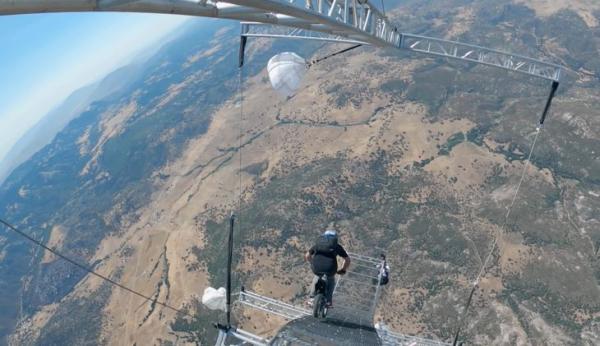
x,y
330,233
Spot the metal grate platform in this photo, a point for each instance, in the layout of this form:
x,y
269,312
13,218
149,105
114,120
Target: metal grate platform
x,y
350,321
390,338
271,305
357,292
291,312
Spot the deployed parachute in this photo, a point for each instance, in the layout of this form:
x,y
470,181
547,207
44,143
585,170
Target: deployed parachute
x,y
286,71
215,299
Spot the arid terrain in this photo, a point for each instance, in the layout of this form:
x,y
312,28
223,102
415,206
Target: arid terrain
x,y
415,157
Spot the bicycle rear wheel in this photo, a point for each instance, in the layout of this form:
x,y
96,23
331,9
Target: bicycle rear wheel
x,y
319,306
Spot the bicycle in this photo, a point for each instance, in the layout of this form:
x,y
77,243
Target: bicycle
x,y
320,301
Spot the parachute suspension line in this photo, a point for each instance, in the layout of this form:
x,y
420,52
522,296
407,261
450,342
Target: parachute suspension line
x,y
233,217
90,270
241,121
229,263
241,59
242,51
512,203
527,163
495,241
316,61
538,130
225,329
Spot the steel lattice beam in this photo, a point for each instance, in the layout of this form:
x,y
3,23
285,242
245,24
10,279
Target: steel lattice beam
x,y
426,45
248,337
271,31
349,21
480,55
353,19
390,338
271,305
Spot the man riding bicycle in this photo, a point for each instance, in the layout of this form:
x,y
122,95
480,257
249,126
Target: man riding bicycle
x,y
323,259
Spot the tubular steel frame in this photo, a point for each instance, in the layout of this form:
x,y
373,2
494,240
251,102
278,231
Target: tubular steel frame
x,y
341,21
347,21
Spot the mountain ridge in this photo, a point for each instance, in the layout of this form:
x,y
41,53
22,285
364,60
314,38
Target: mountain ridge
x,y
414,157
42,133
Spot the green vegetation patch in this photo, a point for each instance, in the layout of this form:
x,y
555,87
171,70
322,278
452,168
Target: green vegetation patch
x,y
452,141
440,236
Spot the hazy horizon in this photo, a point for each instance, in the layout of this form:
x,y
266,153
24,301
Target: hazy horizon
x,y
90,46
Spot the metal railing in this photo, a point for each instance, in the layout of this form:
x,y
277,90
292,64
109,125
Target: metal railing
x,y
279,308
271,305
357,292
391,338
348,21
424,45
480,55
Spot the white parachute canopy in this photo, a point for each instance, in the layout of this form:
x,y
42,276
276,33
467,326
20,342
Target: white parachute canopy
x,y
215,299
286,71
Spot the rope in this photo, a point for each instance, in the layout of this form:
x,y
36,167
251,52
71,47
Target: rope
x,y
241,92
236,276
512,203
383,8
90,270
333,54
495,242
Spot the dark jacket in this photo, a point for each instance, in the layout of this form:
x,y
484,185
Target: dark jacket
x,y
324,255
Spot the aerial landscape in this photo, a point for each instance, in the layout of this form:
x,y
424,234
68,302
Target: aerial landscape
x,y
136,175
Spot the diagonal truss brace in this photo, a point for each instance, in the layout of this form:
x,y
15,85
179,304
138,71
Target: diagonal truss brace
x,y
480,55
354,19
424,45
271,305
251,29
389,338
290,312
351,21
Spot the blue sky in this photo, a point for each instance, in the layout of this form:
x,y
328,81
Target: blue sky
x,y
45,57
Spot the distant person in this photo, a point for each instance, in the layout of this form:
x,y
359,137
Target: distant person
x,y
383,270
323,259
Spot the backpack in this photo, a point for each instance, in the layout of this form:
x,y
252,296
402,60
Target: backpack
x,y
384,280
324,259
385,275
326,245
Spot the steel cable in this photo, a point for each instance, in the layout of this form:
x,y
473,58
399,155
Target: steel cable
x,y
90,270
333,54
495,242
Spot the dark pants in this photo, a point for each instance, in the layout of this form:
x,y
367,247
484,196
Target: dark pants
x,y
329,281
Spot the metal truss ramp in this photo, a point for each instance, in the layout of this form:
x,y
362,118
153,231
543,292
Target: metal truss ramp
x,y
271,305
391,338
350,322
343,21
357,292
355,21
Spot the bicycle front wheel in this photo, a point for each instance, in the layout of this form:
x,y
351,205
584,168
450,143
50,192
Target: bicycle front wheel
x,y
319,305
